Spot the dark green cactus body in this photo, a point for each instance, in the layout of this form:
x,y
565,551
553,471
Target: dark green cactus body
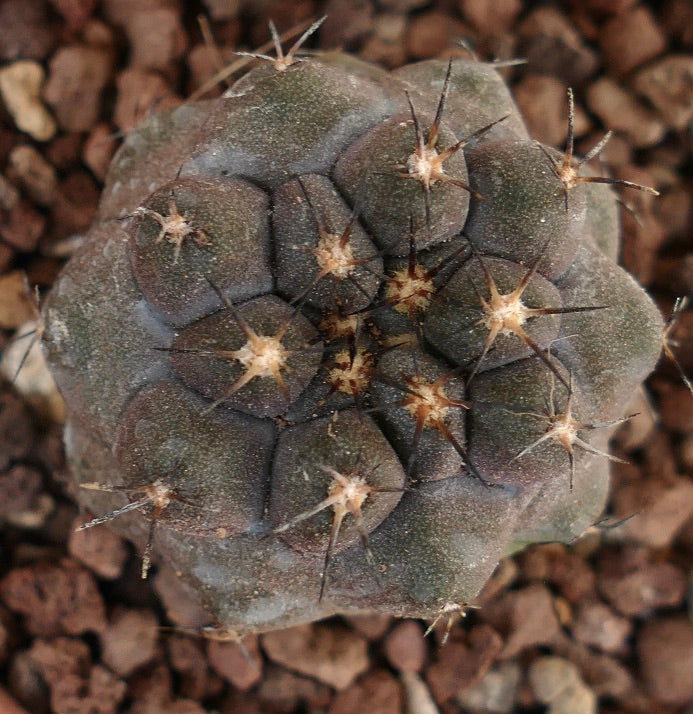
x,y
301,329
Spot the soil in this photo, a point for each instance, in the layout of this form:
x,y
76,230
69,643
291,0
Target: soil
x,y
603,624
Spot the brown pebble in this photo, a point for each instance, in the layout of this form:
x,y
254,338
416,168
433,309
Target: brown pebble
x,y
544,106
330,654
9,195
668,84
21,491
677,17
187,657
77,75
661,509
98,548
24,227
598,625
242,669
284,691
378,692
461,664
33,174
405,647
491,16
25,30
620,111
16,305
9,705
156,37
130,640
139,94
55,599
430,33
553,47
567,571
630,39
76,13
665,651
527,617
372,627
347,23
634,585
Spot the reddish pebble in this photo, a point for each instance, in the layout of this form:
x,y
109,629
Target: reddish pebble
x,y
55,599
460,664
634,585
98,548
598,625
430,33
242,668
665,650
630,39
491,17
330,654
130,640
405,647
378,692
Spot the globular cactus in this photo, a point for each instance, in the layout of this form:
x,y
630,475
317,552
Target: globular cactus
x,y
342,339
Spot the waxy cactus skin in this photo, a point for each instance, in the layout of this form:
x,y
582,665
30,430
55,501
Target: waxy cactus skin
x,y
343,339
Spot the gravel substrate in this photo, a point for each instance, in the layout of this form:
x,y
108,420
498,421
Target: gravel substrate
x,y
605,624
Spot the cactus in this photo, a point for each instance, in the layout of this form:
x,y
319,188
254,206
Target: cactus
x,y
342,339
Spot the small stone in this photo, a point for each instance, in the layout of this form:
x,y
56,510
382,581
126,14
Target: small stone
x,y
242,669
635,586
26,30
550,676
23,503
223,9
668,84
661,508
23,227
16,301
76,13
372,627
130,640
9,195
462,664
333,655
621,111
98,548
544,107
16,429
496,692
578,699
346,23
378,692
665,651
553,47
156,37
77,76
188,659
405,647
55,599
598,625
491,16
430,33
20,86
34,174
139,92
417,696
527,616
630,39
9,705
284,691
678,20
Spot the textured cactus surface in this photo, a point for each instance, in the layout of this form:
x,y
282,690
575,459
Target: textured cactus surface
x,y
342,339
